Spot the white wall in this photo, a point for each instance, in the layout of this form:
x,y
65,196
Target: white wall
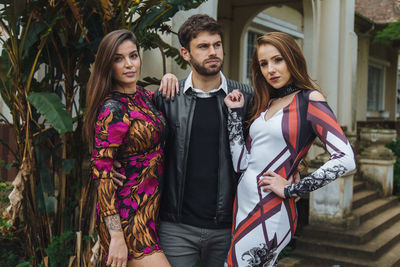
x,y
152,59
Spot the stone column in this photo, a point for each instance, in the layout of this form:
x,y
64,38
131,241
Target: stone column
x,y
329,43
331,204
347,65
376,161
337,56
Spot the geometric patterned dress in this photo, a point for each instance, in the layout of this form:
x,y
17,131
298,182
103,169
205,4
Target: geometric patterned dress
x,y
263,222
130,130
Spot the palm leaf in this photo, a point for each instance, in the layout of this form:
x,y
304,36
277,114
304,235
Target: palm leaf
x,y
50,106
76,11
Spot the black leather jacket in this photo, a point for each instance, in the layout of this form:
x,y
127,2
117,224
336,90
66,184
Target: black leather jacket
x,y
179,115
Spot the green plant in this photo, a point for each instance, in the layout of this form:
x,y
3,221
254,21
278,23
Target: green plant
x,y
395,147
12,248
47,48
389,33
61,249
5,189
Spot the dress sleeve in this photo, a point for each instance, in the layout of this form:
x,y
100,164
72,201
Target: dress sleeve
x,y
326,127
158,100
111,128
239,151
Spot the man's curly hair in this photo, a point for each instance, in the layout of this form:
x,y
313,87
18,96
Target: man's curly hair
x,y
196,24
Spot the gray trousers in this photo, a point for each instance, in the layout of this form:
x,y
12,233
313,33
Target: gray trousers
x,y
190,246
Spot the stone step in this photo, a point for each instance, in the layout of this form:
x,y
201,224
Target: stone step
x,y
363,197
310,258
371,250
375,207
359,235
302,258
358,186
373,226
390,258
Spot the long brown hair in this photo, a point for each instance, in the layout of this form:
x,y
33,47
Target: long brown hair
x,y
100,83
295,61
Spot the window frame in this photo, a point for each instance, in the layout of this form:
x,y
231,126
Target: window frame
x,y
381,65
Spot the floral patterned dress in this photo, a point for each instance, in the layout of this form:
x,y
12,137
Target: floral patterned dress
x,y
129,129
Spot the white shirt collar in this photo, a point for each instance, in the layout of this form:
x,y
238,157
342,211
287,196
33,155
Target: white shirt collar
x,y
201,93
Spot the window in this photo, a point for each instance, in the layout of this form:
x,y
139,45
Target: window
x,y
271,19
375,88
398,93
251,38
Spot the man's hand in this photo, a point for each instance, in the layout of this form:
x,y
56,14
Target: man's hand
x,y
169,86
117,177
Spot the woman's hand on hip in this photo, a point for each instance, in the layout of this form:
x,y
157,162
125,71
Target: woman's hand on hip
x,y
235,99
274,182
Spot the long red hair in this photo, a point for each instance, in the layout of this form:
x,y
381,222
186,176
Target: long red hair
x,y
295,61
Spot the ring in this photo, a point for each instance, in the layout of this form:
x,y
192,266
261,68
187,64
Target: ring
x,y
113,265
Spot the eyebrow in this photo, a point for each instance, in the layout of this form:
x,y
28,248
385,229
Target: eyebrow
x,y
208,43
116,54
278,55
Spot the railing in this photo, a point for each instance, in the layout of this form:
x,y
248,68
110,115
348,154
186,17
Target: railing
x,y
385,124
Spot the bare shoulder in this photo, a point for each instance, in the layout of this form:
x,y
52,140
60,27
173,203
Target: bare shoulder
x,y
317,96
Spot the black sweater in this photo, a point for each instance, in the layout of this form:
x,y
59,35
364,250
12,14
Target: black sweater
x,y
201,183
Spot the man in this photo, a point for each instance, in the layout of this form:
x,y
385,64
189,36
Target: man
x,y
198,182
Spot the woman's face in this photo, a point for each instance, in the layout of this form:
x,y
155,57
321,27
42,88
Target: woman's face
x,y
126,64
273,66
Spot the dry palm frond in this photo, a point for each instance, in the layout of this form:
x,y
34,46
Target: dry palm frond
x,y
76,11
95,255
16,194
108,9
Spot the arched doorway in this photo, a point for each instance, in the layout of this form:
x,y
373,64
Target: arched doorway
x,y
275,18
244,21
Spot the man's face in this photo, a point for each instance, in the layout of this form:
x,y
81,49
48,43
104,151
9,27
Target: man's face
x,y
206,54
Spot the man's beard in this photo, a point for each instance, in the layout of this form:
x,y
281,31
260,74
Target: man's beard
x,y
202,70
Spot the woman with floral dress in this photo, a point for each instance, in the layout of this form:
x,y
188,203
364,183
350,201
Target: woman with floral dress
x,y
123,125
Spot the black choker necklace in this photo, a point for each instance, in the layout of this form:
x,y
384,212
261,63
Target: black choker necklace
x,y
284,91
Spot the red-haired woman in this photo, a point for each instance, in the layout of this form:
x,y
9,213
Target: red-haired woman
x,y
123,125
288,113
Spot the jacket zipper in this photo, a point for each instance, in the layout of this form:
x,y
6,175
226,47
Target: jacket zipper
x,y
186,150
220,147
